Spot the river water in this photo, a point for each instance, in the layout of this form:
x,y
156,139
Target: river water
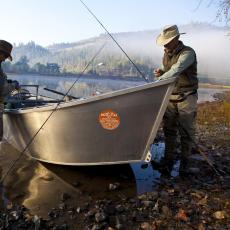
x,y
40,186
85,87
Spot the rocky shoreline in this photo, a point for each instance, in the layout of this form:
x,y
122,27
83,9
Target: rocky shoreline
x,y
200,201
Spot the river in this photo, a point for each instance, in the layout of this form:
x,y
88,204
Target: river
x,y
85,87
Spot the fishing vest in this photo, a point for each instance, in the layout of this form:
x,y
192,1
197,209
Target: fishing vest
x,y
187,80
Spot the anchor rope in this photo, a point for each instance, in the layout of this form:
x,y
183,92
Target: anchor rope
x,y
52,112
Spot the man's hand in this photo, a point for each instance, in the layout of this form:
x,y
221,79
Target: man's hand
x,y
157,72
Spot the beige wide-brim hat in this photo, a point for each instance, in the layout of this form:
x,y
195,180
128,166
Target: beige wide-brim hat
x,y
167,35
6,48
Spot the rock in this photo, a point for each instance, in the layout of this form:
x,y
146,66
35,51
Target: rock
x,y
164,196
194,170
154,195
201,227
142,197
219,215
114,186
110,209
119,208
9,206
47,177
100,216
76,184
15,215
37,222
53,214
119,226
90,213
147,203
78,209
203,201
227,158
197,157
99,226
62,206
166,212
145,226
63,227
65,197
181,215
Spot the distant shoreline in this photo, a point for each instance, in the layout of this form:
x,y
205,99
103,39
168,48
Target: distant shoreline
x,y
111,77
213,86
88,76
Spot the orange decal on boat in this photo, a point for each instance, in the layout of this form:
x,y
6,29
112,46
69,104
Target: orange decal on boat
x,y
109,119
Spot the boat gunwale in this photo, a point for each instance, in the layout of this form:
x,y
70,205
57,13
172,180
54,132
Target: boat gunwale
x,y
89,163
74,102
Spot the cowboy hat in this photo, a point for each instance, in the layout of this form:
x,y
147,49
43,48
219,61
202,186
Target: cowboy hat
x,y
167,35
6,48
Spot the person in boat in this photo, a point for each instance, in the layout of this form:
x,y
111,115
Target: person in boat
x,y
6,86
178,61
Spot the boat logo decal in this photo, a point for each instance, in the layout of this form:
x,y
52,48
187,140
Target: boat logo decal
x,y
109,119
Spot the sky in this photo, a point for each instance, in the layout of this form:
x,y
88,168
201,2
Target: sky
x,y
47,22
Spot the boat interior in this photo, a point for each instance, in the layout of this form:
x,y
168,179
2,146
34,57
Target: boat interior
x,y
26,98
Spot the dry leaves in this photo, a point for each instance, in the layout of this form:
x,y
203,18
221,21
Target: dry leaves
x,y
181,215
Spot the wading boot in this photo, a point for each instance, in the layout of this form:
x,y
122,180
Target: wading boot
x,y
164,167
184,170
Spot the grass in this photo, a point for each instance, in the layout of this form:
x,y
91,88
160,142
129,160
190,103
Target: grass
x,y
215,112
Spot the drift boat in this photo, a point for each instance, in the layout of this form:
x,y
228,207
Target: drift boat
x,y
111,128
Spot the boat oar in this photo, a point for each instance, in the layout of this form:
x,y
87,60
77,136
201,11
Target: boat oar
x,y
70,97
33,101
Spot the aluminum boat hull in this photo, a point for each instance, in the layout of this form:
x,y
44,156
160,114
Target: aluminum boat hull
x,y
111,128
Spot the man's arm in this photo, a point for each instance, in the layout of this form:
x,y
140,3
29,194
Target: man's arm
x,y
184,61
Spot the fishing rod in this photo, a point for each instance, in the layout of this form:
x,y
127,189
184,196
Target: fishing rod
x,y
211,164
143,76
53,111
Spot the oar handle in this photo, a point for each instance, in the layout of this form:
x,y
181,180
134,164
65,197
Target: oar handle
x,y
60,93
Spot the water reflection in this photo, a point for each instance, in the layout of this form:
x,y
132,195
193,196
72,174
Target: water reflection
x,y
40,186
84,87
146,177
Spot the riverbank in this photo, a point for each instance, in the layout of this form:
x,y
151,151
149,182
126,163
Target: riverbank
x,y
200,201
213,86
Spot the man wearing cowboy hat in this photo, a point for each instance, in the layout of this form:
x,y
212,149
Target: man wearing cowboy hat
x,y
6,86
178,61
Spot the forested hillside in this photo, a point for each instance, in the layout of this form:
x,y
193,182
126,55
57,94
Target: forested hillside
x,y
210,42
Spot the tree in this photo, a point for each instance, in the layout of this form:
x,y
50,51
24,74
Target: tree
x,y
223,11
223,7
22,65
39,68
